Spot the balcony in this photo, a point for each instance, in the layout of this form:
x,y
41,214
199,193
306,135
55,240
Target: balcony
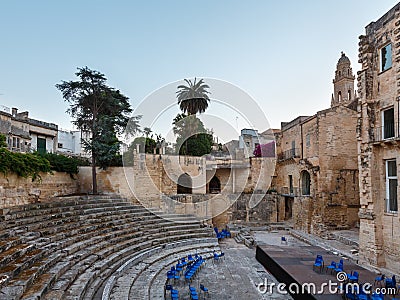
x,y
289,154
387,132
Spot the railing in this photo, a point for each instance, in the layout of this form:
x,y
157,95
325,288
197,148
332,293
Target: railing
x,y
386,132
288,154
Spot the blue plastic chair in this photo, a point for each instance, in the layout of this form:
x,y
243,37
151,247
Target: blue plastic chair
x,y
216,257
376,296
339,268
379,279
204,289
170,275
331,267
353,277
391,283
319,263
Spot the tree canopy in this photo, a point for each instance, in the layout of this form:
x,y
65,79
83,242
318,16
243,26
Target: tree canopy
x,y
100,110
193,97
192,137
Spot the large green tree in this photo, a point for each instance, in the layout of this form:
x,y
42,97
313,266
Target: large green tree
x,y
100,110
192,137
193,97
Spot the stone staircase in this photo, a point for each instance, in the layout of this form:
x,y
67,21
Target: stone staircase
x,y
68,248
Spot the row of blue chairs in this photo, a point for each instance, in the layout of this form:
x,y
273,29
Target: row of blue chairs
x,y
335,267
222,234
192,269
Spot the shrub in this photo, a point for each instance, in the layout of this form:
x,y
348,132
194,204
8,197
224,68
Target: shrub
x,y
62,163
23,164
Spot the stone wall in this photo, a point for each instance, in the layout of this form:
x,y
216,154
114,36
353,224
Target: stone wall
x,y
16,190
328,152
378,90
265,211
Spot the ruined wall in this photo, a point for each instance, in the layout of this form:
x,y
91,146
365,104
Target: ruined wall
x,y
265,211
303,213
328,152
338,171
261,172
16,190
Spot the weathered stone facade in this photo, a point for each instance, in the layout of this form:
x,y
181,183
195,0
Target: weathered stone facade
x,y
316,172
215,186
378,141
16,190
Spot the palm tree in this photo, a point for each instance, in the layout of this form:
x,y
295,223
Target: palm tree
x,y
147,131
193,98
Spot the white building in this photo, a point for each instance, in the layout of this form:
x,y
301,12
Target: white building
x,y
70,142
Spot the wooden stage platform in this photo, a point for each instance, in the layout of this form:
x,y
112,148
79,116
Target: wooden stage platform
x,y
294,264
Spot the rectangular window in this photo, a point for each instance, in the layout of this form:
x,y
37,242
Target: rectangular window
x,y
388,123
386,57
308,142
290,184
293,150
14,144
391,186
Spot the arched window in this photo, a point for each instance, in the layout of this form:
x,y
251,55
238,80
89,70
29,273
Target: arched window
x,y
305,183
184,184
349,94
214,185
340,96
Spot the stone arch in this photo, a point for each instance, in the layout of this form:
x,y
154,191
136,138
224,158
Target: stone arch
x,y
305,183
214,186
184,185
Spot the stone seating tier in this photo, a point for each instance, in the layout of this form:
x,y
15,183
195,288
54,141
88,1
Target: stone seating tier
x,y
49,247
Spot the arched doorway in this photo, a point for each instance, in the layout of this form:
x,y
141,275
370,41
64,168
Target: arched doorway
x,y
214,186
184,184
305,183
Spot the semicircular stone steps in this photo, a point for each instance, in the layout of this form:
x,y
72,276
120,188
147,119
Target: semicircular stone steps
x,y
133,281
76,243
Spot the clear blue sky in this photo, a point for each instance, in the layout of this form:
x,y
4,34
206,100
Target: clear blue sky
x,y
283,53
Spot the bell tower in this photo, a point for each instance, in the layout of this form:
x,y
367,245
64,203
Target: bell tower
x,y
343,84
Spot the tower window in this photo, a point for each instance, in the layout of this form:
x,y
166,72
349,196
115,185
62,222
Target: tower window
x,y
386,57
349,95
340,96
